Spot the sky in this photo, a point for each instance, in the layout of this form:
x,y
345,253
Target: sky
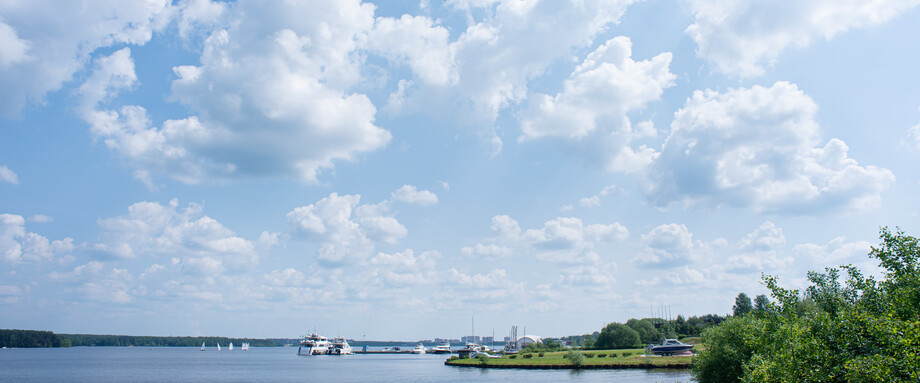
x,y
392,171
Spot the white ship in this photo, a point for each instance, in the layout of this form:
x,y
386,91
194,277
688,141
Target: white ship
x,y
314,345
420,349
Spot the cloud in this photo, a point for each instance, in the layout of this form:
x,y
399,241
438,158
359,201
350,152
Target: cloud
x,y
7,175
345,230
40,218
409,194
668,246
404,268
563,239
95,282
62,37
17,245
912,133
590,114
272,97
495,57
201,244
757,148
741,37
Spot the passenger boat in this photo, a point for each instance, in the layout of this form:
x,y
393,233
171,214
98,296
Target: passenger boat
x,y
314,345
420,349
670,347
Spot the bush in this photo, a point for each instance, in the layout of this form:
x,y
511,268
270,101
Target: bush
x,y
528,356
576,357
616,335
625,354
540,354
589,355
512,357
601,355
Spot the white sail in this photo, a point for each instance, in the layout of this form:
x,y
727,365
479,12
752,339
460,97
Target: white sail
x,y
231,346
218,347
202,346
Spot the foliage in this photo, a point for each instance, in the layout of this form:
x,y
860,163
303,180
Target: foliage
x,y
528,356
861,330
646,329
159,341
576,357
30,338
761,303
742,305
616,335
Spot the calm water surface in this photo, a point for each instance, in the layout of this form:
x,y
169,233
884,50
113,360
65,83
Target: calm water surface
x,y
272,364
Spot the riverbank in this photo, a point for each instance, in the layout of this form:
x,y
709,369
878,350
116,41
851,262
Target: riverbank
x,y
601,359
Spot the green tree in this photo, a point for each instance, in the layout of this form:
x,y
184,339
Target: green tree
x,y
646,329
742,305
616,335
761,303
576,357
845,327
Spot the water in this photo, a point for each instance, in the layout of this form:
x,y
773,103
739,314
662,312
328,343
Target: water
x,y
272,364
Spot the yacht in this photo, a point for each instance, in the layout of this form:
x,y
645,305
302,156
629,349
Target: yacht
x,y
420,349
443,348
670,347
314,345
340,346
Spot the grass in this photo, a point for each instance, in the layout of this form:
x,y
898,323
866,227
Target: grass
x,y
592,360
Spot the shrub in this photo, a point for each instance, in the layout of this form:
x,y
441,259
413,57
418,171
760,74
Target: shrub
x,y
512,357
613,355
528,356
625,354
576,357
601,355
589,355
540,354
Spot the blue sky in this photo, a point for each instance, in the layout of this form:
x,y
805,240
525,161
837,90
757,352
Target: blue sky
x,y
391,170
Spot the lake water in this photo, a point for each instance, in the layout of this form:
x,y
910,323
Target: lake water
x,y
272,364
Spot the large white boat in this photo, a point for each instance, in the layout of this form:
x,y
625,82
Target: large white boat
x,y
340,346
443,348
314,345
420,349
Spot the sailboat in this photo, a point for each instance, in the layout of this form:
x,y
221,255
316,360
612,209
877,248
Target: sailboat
x,y
218,347
231,346
245,347
202,346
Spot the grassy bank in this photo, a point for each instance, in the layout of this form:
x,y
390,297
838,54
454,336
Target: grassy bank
x,y
611,359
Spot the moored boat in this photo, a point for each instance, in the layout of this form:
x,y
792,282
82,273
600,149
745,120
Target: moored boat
x,y
314,345
340,346
670,347
420,349
443,348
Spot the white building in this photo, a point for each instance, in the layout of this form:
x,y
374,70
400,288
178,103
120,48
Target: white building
x,y
527,340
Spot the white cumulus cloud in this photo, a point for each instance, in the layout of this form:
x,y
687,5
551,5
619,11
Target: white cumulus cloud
x,y
410,194
741,37
345,230
760,148
18,245
590,113
7,175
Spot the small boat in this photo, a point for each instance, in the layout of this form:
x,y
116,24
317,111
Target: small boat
x,y
244,347
420,349
670,347
218,347
443,348
202,346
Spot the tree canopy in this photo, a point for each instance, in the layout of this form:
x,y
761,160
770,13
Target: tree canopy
x,y
861,330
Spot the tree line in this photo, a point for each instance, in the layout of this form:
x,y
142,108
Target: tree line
x,y
844,327
31,339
